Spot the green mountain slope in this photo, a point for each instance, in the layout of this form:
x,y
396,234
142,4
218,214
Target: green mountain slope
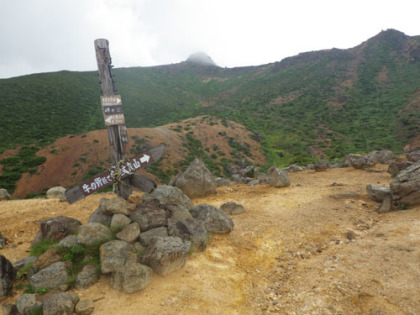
x,y
325,103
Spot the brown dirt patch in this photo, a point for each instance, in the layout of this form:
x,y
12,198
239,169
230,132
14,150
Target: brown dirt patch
x,y
294,251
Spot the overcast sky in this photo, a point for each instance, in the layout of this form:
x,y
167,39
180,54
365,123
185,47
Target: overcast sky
x,y
52,35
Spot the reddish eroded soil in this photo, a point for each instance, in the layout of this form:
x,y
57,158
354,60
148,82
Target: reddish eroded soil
x,y
294,251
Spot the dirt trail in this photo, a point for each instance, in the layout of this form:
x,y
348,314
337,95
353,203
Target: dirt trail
x,y
294,251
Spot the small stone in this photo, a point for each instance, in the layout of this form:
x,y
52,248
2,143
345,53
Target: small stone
x,y
85,307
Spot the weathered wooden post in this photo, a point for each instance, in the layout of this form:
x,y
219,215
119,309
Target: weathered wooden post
x,y
115,123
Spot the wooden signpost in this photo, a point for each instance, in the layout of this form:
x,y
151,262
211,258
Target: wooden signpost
x,y
121,173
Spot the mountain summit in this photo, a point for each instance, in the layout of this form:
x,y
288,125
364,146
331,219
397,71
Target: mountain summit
x,y
201,58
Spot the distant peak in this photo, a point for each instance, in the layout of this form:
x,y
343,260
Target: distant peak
x,y
201,58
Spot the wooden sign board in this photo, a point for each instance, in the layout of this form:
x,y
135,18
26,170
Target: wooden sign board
x,y
106,178
112,120
111,100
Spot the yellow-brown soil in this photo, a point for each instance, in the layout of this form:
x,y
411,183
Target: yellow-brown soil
x,y
294,251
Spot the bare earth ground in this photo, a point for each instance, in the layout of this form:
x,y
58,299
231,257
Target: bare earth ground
x,y
294,251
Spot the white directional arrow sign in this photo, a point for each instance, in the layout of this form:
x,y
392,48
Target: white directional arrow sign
x,y
145,159
114,120
112,100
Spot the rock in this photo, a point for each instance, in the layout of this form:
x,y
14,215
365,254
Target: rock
x,y
254,182
92,233
196,181
381,156
47,258
9,309
60,303
114,255
120,220
263,178
131,277
321,166
146,237
7,276
405,186
277,177
173,199
150,215
51,277
396,167
166,254
85,307
191,230
99,217
57,192
2,241
28,304
377,193
358,161
130,233
24,262
57,228
116,205
215,220
4,195
69,241
386,204
232,208
347,195
232,170
293,168
87,277
222,182
413,156
237,178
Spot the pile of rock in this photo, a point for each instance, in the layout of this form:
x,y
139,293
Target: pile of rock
x,y
364,161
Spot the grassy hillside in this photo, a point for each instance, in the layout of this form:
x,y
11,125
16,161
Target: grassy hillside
x,y
326,103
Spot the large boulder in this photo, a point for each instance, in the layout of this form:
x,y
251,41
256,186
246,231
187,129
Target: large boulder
x,y
277,177
166,254
377,193
119,220
116,205
7,276
114,255
52,277
321,166
28,304
147,237
57,228
215,220
405,187
93,233
173,199
380,156
358,161
4,195
130,233
57,192
99,217
191,230
62,303
131,278
149,215
87,277
196,181
413,156
395,167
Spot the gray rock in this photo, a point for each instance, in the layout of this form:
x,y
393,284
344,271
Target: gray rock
x,y
166,254
254,182
413,156
57,192
321,166
131,277
405,186
4,195
99,217
150,215
377,193
2,241
120,220
191,230
57,228
222,182
395,167
174,200
358,161
114,255
130,233
9,309
386,204
381,156
7,276
27,304
87,277
237,178
196,181
293,168
85,307
60,303
277,177
232,208
93,233
215,220
116,205
69,241
24,262
146,237
51,277
263,178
